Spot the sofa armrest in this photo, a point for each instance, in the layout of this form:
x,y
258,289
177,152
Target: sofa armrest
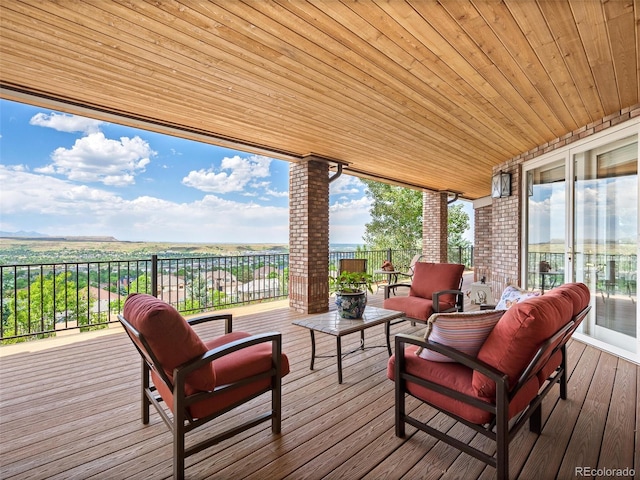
x,y
452,353
401,376
228,318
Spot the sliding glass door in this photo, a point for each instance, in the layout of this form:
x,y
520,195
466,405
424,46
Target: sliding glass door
x,y
581,224
606,238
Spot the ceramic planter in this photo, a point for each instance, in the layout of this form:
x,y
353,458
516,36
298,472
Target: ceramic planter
x,y
351,305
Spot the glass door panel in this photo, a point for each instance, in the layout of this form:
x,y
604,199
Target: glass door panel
x,y
605,234
546,226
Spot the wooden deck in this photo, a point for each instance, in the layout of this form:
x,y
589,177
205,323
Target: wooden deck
x,y
72,412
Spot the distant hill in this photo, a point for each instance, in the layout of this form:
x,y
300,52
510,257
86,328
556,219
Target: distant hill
x,y
70,238
21,234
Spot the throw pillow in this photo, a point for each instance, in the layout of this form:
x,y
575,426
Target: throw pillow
x,y
513,295
465,332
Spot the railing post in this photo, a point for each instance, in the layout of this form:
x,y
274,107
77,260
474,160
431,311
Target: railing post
x,y
389,255
154,275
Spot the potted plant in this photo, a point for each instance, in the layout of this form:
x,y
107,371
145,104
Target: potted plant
x,y
351,292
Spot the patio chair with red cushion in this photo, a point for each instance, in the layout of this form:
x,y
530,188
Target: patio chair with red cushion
x,y
200,381
436,287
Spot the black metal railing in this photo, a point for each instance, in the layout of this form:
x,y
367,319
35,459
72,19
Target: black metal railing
x,y
605,272
37,301
40,300
463,255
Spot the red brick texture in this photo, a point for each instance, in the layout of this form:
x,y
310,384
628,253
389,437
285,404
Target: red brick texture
x,y
435,226
309,236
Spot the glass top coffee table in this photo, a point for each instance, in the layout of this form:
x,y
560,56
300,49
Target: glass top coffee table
x,y
331,324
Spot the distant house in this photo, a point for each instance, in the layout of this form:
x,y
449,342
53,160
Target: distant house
x,y
221,281
258,289
265,272
169,285
102,298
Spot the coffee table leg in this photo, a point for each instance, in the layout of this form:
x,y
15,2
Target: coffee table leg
x,y
387,331
313,349
361,339
339,352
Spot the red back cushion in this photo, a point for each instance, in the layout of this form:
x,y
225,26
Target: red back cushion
x,y
517,336
171,338
433,277
577,292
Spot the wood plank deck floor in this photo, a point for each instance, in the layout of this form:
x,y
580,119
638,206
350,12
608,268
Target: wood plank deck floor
x,y
72,412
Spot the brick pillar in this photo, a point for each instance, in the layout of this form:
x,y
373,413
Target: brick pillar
x,y
483,240
309,236
506,231
435,217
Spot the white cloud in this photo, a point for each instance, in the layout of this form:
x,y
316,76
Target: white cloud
x,y
274,193
346,184
57,207
234,174
95,158
347,220
66,123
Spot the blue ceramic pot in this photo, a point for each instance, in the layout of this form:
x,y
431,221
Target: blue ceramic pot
x,y
351,305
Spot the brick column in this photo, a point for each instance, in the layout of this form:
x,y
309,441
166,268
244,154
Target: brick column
x,y
435,217
309,236
506,231
482,250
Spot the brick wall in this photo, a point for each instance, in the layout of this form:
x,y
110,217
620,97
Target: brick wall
x,y
435,226
309,247
482,241
499,259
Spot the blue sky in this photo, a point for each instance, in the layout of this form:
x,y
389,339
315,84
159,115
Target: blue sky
x,y
63,174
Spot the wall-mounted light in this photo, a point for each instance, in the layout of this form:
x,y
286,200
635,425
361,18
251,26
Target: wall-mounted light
x,y
501,185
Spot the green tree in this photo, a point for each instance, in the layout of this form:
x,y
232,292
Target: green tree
x,y
142,284
396,219
457,225
47,300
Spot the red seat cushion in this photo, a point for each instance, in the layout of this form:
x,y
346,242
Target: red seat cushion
x,y
413,307
233,368
165,329
459,378
514,340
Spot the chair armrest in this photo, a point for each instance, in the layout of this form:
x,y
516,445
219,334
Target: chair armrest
x,y
435,296
228,318
388,288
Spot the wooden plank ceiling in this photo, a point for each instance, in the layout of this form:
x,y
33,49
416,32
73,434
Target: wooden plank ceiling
x,y
426,93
